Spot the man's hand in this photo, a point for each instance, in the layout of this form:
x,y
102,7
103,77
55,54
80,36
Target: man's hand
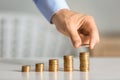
x,y
80,28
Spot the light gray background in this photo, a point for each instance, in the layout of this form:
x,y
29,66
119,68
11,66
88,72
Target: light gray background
x,y
105,12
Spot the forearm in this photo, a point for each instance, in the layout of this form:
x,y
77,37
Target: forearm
x,y
50,7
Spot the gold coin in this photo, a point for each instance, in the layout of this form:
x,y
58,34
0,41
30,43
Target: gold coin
x,y
68,57
53,65
84,53
84,70
39,67
53,70
84,61
68,69
53,60
68,63
26,68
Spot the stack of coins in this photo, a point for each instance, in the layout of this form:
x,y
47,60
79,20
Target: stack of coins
x,y
53,65
25,68
68,63
84,61
39,67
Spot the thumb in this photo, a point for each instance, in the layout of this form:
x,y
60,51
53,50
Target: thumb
x,y
75,38
93,39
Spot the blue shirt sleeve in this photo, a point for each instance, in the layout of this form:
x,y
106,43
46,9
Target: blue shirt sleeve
x,y
50,7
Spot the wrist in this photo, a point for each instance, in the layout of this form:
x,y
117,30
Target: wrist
x,y
61,15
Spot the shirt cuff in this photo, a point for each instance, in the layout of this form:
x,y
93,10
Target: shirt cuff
x,y
50,7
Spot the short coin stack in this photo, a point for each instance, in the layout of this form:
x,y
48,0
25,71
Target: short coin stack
x,y
53,65
26,68
84,61
68,63
39,67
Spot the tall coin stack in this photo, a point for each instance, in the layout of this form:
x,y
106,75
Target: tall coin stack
x,y
68,63
53,65
84,61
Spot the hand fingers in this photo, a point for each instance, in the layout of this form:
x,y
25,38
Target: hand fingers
x,y
94,35
94,39
75,38
84,39
63,32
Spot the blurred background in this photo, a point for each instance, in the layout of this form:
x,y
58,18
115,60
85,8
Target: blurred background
x,y
25,33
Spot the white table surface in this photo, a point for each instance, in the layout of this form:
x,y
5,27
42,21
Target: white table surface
x,y
100,69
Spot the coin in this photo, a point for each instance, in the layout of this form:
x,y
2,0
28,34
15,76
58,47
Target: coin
x,y
39,67
84,61
53,65
68,63
26,68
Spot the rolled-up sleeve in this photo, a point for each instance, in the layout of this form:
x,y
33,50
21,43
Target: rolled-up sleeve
x,y
50,7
